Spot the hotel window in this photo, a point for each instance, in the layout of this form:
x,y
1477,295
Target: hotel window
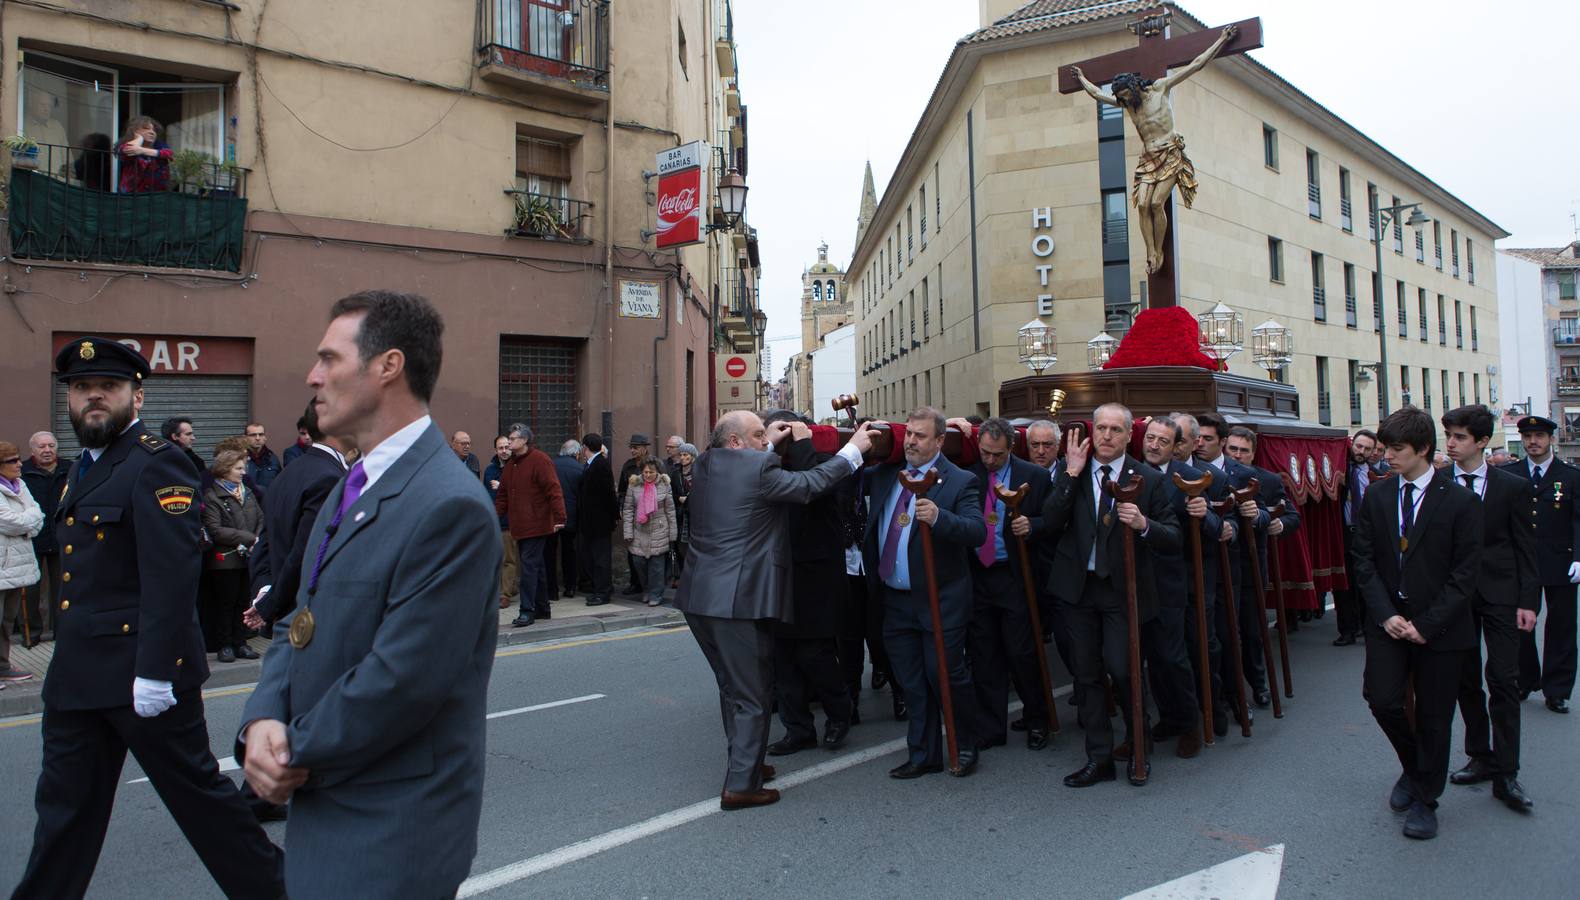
x,y
1475,333
1426,389
1275,260
1459,328
1404,326
910,237
1475,385
1398,230
899,258
1377,305
1420,245
1355,395
1461,378
921,204
940,299
1270,146
1351,318
1371,211
1420,296
1437,244
1470,260
1442,322
927,312
1313,185
1453,249
1115,224
1404,385
1345,221
1443,380
938,203
1324,403
1319,298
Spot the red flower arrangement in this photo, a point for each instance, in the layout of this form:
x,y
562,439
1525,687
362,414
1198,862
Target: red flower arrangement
x,y
1161,337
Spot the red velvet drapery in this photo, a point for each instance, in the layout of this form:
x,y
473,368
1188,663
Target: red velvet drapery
x,y
1313,472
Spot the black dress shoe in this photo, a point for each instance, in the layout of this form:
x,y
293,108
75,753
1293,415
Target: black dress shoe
x,y
879,678
1402,795
1512,794
1344,640
834,735
1474,772
968,763
901,713
1264,698
225,655
520,621
1220,723
913,770
1421,822
1189,745
1090,774
788,745
1558,705
245,652
1018,725
1036,738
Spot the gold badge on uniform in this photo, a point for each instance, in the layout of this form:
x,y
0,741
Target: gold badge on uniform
x,y
85,350
1108,519
992,518
175,499
302,626
1558,492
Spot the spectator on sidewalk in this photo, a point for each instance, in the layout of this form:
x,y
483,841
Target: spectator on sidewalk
x,y
680,484
461,443
509,578
233,518
649,517
672,455
303,441
21,519
262,464
559,557
595,517
638,448
529,495
178,430
46,480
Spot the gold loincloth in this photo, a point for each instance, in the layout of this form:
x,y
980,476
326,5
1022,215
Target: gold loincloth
x,y
1168,161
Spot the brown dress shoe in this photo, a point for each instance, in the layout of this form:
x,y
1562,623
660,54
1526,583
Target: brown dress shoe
x,y
1189,745
744,799
768,772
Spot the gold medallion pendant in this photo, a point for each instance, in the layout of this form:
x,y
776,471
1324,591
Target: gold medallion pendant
x,y
992,518
905,519
1404,544
1108,519
302,628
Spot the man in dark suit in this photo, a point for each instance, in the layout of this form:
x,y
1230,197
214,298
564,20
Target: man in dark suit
x,y
369,714
1001,642
1089,575
1241,447
596,514
896,575
1227,531
295,498
1505,603
1212,455
1359,476
559,557
129,663
1417,555
737,580
1554,517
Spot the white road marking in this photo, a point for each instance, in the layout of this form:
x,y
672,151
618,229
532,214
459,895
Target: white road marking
x,y
229,764
1254,876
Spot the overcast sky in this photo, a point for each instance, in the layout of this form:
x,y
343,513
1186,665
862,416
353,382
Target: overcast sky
x,y
1485,105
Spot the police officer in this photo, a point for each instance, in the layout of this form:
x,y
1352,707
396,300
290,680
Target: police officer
x,y
129,662
1555,518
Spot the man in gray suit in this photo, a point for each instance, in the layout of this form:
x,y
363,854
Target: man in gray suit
x,y
737,578
369,714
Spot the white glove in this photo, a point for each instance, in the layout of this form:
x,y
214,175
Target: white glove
x,y
150,698
1574,573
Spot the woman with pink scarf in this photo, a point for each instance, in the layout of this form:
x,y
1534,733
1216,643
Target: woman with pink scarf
x,y
650,525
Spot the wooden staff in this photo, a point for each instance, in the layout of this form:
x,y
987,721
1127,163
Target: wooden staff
x,y
1012,500
1192,490
1138,726
919,488
1226,508
848,403
1278,599
1244,495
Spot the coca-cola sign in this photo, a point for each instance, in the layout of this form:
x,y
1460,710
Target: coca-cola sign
x,y
680,196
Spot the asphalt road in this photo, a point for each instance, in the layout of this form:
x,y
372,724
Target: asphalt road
x,y
614,794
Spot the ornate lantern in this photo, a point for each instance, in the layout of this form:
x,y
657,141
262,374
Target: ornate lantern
x,y
1222,334
1099,350
1038,349
1272,346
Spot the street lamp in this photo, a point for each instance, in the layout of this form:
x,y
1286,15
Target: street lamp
x,y
732,199
1272,347
1038,347
1099,350
1221,332
1382,218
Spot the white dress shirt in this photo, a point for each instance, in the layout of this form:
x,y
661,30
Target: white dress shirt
x,y
1479,476
378,460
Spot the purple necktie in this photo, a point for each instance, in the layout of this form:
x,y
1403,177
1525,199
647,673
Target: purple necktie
x,y
891,541
988,552
356,479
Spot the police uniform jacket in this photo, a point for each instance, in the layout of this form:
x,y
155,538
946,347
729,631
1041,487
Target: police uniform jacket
x,y
1553,515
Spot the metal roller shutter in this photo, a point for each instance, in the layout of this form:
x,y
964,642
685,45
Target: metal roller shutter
x,y
219,406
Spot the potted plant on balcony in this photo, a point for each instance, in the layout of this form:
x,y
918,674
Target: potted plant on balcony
x,y
24,151
539,216
227,177
192,170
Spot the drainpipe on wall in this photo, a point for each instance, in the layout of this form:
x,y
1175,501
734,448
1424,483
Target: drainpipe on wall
x,y
663,310
607,423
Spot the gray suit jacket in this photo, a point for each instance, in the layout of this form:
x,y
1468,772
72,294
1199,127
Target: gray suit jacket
x,y
738,562
385,705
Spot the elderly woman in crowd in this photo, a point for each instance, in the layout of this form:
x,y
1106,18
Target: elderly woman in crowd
x,y
650,525
680,485
20,520
233,518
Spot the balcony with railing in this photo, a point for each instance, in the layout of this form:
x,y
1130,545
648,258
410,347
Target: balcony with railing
x,y
80,204
559,47
1319,303
1567,332
1314,201
1355,408
548,217
724,44
1569,435
1346,222
1568,383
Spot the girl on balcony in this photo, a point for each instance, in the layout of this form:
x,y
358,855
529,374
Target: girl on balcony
x,y
145,160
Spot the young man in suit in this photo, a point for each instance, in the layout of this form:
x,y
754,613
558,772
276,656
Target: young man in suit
x,y
1347,602
1554,518
1417,557
1507,595
596,513
892,551
1240,445
1088,577
1000,642
369,715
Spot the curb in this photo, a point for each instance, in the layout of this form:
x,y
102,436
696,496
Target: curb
x,y
27,698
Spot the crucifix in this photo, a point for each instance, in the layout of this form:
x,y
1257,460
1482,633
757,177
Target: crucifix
x,y
1140,85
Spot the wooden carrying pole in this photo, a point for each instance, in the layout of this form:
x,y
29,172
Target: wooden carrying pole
x,y
1138,724
1278,599
919,488
1012,501
1231,612
1244,495
1192,490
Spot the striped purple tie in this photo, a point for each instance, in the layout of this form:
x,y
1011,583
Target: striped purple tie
x,y
355,481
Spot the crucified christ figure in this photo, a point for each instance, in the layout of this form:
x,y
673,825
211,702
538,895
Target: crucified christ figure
x,y
1163,163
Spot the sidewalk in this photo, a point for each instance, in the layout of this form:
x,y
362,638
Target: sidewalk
x,y
572,618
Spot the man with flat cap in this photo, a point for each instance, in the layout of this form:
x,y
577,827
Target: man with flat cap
x,y
129,659
1555,522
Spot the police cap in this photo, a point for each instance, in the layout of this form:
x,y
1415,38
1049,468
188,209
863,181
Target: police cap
x,y
90,356
1537,423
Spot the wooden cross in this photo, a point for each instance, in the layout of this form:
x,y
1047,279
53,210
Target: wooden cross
x,y
1151,58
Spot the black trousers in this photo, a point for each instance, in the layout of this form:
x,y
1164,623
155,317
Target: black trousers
x,y
1554,674
1253,624
559,562
226,601
1214,661
1001,647
84,751
1492,719
805,668
908,637
1099,643
741,653
1347,602
1169,669
1054,623
1422,749
593,551
868,613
